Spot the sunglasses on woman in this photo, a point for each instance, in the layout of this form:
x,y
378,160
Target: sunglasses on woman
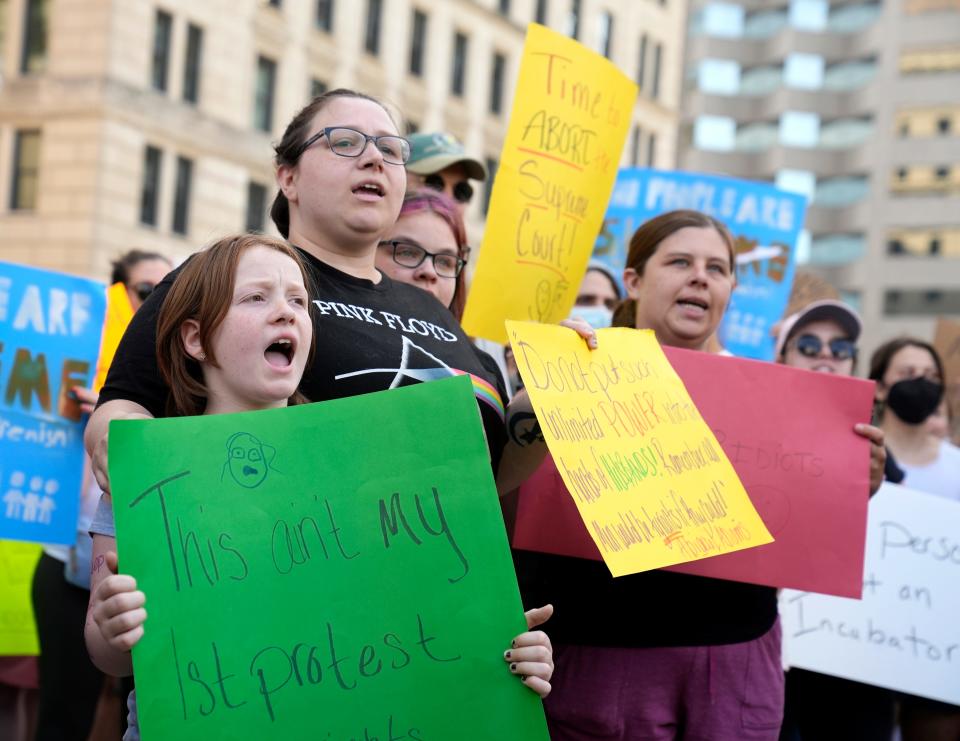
x,y
462,191
810,346
143,290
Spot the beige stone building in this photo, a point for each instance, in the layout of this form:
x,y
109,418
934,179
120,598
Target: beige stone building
x,y
856,104
148,123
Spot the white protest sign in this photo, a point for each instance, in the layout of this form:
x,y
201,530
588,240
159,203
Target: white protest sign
x,y
904,634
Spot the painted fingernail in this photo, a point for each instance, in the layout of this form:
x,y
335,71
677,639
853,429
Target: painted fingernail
x,y
513,643
523,677
506,654
513,667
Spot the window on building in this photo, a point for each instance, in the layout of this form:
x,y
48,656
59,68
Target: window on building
x,y
757,137
904,129
317,87
162,30
902,173
504,7
852,18
943,125
652,150
418,40
325,15
636,136
573,19
372,37
181,195
33,57
844,133
540,15
605,33
256,206
938,241
458,79
838,192
714,133
803,71
849,75
488,183
723,19
799,129
150,186
655,71
809,15
718,76
496,83
837,249
642,62
942,172
191,67
26,170
803,182
764,23
760,80
930,60
274,3
263,98
921,302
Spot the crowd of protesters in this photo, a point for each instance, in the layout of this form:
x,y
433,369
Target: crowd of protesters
x,y
373,219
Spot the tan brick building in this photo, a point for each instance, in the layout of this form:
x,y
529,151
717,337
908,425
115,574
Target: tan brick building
x,y
134,123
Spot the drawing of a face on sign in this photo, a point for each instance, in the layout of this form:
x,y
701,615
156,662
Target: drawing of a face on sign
x,y
248,459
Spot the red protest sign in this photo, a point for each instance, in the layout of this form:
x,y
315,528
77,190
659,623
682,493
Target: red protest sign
x,y
789,434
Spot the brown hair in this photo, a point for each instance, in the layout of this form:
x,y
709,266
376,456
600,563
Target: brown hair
x,y
646,240
203,291
121,267
290,147
883,355
425,199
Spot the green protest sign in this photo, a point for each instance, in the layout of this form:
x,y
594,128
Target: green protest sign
x,y
334,571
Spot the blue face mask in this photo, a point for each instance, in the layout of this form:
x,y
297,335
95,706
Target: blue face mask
x,y
597,317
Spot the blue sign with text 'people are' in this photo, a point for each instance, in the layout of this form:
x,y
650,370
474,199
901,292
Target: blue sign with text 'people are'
x,y
764,220
50,326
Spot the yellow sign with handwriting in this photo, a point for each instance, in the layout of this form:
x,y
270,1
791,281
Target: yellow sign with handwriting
x,y
649,478
18,631
559,162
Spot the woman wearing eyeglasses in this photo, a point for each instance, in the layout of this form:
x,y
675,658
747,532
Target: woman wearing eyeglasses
x,y
427,248
823,338
339,169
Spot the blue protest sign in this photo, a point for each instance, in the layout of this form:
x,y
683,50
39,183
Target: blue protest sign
x,y
50,326
765,222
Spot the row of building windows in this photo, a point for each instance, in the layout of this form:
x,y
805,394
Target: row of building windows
x,y
640,155
160,63
925,179
921,302
731,20
921,123
927,61
793,129
798,71
925,242
150,190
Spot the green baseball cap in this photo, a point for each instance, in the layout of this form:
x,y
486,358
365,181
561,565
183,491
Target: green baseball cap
x,y
430,153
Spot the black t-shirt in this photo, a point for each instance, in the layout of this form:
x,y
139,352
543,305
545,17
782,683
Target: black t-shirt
x,y
654,608
368,337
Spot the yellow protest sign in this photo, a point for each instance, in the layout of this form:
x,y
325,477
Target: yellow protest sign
x,y
559,162
649,478
119,314
18,631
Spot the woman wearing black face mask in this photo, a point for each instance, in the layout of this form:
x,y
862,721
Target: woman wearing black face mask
x,y
909,376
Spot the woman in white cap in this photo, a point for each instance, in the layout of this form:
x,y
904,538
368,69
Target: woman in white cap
x,y
823,338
